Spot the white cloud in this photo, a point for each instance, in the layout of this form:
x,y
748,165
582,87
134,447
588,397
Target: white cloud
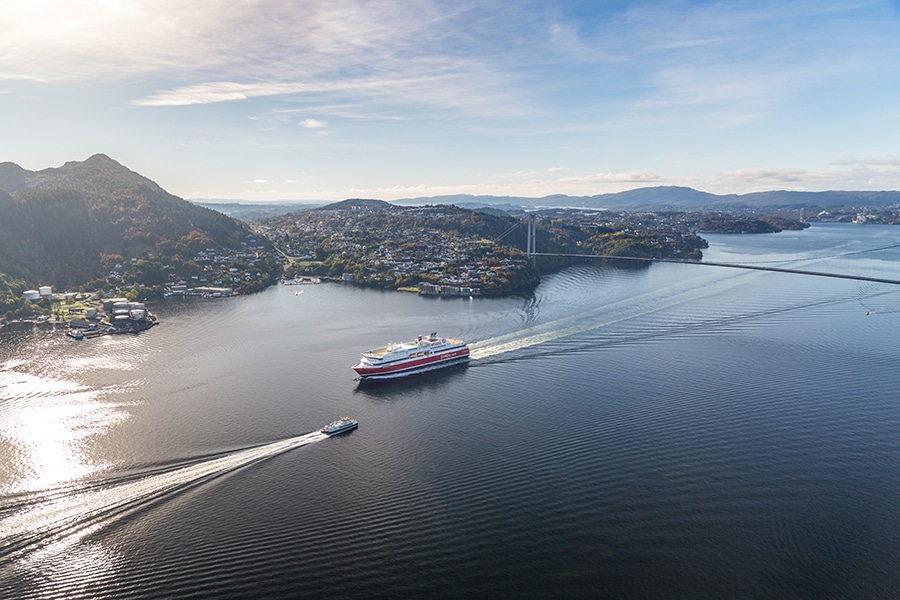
x,y
764,176
628,177
312,123
882,160
557,169
850,160
218,91
754,179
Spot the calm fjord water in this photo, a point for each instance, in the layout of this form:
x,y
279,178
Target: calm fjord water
x,y
674,431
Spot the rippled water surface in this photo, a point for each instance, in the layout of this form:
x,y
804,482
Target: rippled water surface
x,y
671,431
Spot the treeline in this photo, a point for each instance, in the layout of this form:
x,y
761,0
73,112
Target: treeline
x,y
61,236
12,301
65,227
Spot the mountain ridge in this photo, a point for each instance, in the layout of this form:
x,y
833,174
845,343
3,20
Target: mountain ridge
x,y
68,225
676,198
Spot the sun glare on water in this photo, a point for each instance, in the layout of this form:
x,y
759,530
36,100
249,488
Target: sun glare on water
x,y
47,426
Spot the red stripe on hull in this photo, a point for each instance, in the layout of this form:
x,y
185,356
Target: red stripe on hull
x,y
411,364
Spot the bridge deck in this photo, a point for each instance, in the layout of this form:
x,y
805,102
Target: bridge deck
x,y
730,266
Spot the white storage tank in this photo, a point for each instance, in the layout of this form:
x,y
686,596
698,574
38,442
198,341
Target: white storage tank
x,y
32,295
45,290
108,304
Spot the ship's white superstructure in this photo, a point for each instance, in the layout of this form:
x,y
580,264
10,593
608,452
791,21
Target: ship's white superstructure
x,y
405,358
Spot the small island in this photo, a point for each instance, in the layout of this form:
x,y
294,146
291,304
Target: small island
x,y
723,223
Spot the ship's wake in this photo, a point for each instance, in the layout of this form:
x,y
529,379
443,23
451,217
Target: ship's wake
x,y
626,309
30,523
645,315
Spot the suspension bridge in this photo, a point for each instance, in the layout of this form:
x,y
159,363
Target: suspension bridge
x,y
531,252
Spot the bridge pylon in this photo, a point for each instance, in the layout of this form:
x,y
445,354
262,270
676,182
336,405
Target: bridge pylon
x,y
530,244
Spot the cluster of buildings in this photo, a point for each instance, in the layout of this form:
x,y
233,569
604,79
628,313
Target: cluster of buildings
x,y
430,289
446,260
208,272
401,253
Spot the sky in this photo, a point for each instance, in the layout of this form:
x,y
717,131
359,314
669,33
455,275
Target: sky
x,y
271,100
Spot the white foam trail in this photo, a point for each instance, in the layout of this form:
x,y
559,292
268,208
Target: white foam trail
x,y
586,321
80,510
508,343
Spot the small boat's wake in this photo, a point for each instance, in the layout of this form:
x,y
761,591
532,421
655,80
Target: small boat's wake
x,y
49,519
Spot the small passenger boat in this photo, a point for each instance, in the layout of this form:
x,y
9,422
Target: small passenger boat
x,y
340,426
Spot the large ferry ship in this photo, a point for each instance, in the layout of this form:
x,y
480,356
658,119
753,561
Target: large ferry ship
x,y
340,426
405,358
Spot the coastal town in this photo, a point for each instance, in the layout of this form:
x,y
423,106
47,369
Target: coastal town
x,y
208,273
440,250
412,254
445,250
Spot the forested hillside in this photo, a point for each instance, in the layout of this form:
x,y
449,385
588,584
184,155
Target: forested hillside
x,y
68,226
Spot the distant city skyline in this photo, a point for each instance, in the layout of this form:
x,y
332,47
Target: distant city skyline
x,y
268,100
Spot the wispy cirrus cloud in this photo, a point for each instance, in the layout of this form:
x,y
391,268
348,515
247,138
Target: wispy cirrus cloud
x,y
431,87
464,91
728,65
392,53
484,58
218,91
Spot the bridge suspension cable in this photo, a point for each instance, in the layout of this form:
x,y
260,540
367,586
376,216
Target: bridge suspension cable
x,y
728,265
531,253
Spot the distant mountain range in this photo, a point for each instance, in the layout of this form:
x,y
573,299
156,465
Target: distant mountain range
x,y
63,226
674,198
649,198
